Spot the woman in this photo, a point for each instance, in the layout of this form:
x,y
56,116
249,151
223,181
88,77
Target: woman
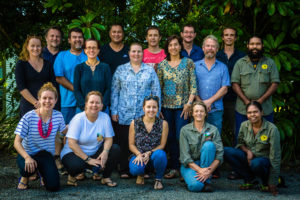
x,y
92,75
31,72
131,83
258,151
147,139
35,140
201,150
178,84
90,143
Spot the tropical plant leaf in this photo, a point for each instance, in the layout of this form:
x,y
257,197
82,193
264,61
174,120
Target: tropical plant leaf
x,y
68,5
282,9
96,33
90,17
271,8
98,26
247,3
279,39
270,40
87,33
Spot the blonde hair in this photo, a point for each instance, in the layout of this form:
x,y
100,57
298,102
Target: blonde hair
x,y
47,87
24,55
93,93
198,103
212,37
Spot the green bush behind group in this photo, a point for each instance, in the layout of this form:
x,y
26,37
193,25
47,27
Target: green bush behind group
x,y
278,22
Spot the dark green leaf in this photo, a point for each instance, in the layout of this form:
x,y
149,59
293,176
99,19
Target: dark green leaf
x,y
247,3
68,5
87,33
271,8
282,9
279,39
96,33
89,17
270,40
277,62
98,26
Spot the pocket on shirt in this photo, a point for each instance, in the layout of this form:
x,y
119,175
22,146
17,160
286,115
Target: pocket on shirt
x,y
245,78
264,77
262,146
194,149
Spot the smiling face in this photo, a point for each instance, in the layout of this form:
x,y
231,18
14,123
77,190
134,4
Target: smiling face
x,y
174,47
116,34
53,38
91,49
254,115
34,47
153,38
210,48
93,104
47,100
199,113
188,35
229,36
136,53
150,108
255,48
76,41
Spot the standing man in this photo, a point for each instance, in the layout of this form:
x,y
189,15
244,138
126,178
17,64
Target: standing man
x,y
190,50
212,81
115,53
53,36
229,56
153,54
64,67
254,77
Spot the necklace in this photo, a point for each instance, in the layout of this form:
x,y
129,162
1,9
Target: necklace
x,y
40,127
92,66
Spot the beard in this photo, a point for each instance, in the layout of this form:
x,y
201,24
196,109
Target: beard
x,y
255,56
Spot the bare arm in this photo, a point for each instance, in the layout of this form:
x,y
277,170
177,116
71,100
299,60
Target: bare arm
x,y
164,136
28,96
65,83
271,90
238,90
131,139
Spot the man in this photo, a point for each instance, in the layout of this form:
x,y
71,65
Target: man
x,y
115,53
190,50
64,67
153,54
229,56
53,36
212,81
254,77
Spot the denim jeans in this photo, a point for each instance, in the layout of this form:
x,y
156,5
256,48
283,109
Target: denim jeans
x,y
216,119
207,156
172,116
158,160
46,167
68,113
259,166
239,119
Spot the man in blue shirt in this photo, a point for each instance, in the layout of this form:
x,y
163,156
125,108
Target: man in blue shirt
x,y
229,55
190,50
64,67
212,81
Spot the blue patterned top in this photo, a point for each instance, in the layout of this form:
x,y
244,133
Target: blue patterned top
x,y
129,90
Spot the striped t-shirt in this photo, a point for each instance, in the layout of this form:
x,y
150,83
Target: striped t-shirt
x,y
28,131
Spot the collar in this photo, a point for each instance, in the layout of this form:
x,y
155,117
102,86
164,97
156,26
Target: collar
x,y
263,126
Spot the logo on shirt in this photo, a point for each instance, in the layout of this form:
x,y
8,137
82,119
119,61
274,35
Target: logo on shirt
x,y
263,138
125,56
207,136
264,66
99,137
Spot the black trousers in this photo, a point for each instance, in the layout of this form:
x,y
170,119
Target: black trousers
x,y
75,165
46,167
121,138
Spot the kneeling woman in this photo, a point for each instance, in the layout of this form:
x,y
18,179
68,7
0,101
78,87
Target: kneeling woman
x,y
147,139
89,143
201,150
35,140
258,151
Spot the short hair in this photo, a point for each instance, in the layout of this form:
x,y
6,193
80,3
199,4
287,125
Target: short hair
x,y
200,103
54,28
152,28
116,24
97,93
135,43
151,97
169,39
255,36
229,27
188,25
77,30
47,87
212,37
24,55
256,104
91,39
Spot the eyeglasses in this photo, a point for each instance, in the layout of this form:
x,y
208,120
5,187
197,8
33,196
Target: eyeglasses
x,y
155,98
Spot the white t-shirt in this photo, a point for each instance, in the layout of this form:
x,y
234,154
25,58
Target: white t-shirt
x,y
89,135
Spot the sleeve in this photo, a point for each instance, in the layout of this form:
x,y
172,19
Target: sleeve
x,y
77,87
75,127
192,77
109,132
23,127
274,72
115,92
20,75
219,146
160,75
58,65
235,76
185,157
62,125
107,90
225,77
240,140
155,87
275,156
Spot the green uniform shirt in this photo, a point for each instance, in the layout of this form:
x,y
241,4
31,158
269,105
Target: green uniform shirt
x,y
254,82
266,143
191,142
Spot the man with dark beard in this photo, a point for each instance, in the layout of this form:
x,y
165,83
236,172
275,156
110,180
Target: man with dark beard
x,y
254,77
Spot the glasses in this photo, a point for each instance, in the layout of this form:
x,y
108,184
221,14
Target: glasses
x,y
91,48
155,98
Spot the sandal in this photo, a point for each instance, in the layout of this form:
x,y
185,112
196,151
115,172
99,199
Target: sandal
x,y
42,184
108,182
263,188
24,185
58,162
173,173
80,176
233,176
247,186
140,180
146,176
72,181
158,184
124,176
96,177
33,177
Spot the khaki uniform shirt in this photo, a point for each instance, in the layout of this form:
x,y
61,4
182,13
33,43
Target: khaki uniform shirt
x,y
266,143
191,142
254,82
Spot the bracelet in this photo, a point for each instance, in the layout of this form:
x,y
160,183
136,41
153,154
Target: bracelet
x,y
107,150
87,159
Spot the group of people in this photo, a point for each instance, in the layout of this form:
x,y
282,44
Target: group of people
x,y
123,105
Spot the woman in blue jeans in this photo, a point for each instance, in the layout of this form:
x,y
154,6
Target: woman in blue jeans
x,y
147,139
201,150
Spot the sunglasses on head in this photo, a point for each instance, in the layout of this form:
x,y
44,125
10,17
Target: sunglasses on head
x,y
156,98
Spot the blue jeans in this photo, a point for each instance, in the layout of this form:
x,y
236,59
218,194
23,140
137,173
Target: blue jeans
x,y
259,166
68,113
172,116
216,119
207,156
239,119
46,167
158,160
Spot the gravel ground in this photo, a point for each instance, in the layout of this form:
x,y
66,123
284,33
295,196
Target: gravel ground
x,y
127,189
